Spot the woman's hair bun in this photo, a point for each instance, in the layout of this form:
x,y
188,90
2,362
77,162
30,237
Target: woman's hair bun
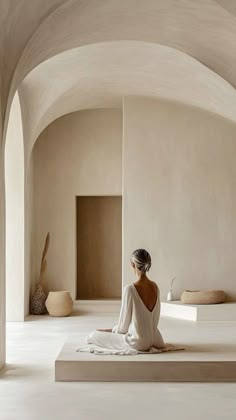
x,y
142,260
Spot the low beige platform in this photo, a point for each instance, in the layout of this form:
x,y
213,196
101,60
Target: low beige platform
x,y
206,363
220,312
209,356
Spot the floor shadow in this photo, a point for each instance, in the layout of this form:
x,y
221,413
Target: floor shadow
x,y
34,318
12,372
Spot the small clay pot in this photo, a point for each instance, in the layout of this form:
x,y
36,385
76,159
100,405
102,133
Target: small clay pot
x,y
59,303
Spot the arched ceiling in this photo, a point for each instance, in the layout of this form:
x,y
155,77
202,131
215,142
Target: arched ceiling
x,y
32,32
18,22
99,75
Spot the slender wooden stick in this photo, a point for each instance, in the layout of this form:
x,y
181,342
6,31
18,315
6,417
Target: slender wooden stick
x,y
43,260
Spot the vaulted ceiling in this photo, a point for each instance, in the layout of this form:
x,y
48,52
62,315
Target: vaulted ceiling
x,y
99,75
76,54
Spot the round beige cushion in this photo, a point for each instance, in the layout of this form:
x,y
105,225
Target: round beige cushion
x,y
59,303
203,297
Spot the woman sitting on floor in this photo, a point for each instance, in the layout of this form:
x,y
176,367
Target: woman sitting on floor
x,y
139,315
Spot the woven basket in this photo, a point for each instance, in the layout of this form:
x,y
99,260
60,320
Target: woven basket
x,y
203,297
37,306
59,303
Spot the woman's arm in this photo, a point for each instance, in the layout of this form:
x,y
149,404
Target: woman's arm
x,y
125,312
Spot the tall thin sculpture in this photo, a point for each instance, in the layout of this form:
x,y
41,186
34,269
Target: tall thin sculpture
x,y
40,295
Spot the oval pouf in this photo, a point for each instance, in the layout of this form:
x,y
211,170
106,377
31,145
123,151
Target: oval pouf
x,y
203,297
59,303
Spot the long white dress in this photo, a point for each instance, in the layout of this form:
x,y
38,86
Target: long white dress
x,y
137,326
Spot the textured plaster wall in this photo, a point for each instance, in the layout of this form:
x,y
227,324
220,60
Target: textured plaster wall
x,y
180,194
79,154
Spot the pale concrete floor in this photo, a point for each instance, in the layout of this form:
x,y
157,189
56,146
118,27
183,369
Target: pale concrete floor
x,y
28,390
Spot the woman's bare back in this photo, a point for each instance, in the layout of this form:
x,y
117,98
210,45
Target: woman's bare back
x,y
148,292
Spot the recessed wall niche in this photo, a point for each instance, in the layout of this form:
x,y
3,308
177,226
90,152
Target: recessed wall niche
x,y
99,247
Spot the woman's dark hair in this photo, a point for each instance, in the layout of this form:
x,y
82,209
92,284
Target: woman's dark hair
x,y
142,260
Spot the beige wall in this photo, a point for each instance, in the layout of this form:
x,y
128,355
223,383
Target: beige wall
x,y
79,154
179,180
180,194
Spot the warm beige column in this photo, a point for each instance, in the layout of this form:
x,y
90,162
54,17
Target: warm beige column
x,y
15,227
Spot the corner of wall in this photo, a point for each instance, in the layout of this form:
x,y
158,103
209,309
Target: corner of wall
x,y
2,265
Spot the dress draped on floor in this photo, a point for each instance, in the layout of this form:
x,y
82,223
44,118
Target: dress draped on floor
x,y
136,332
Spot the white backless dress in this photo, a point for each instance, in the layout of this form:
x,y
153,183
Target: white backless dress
x,y
137,328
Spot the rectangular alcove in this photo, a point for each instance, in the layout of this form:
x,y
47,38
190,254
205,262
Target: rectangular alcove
x,y
99,247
